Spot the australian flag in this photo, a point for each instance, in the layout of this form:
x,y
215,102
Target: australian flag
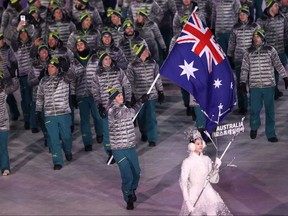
x,y
198,64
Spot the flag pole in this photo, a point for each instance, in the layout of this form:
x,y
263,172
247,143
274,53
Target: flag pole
x,y
148,92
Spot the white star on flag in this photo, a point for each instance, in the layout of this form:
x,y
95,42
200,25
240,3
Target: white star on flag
x,y
220,106
217,83
188,69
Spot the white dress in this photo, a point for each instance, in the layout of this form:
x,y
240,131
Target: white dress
x,y
194,172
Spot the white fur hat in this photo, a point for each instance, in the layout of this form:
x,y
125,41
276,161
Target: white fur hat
x,y
192,134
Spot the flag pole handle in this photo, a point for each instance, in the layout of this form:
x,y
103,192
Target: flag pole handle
x,y
150,89
231,141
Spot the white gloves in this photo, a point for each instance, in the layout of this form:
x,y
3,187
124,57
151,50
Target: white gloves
x,y
218,163
190,206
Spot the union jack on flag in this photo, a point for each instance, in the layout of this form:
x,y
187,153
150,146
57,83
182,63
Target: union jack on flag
x,y
198,64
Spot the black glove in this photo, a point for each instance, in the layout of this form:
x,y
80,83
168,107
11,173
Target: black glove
x,y
286,82
286,49
64,64
38,118
128,104
42,74
133,100
243,88
74,101
231,61
102,111
161,97
144,98
164,53
12,71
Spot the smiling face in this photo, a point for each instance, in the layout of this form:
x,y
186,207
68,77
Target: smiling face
x,y
119,98
81,46
116,20
129,31
106,39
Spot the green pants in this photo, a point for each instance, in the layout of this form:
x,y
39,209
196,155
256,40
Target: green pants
x,y
4,156
223,40
87,105
200,118
258,96
59,127
127,161
147,120
26,97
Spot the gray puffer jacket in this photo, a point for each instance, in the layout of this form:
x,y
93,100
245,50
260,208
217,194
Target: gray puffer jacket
x,y
108,78
150,32
33,80
276,30
155,13
116,55
258,63
97,21
64,28
127,42
8,59
91,35
240,39
121,128
187,10
224,15
53,94
141,76
5,89
82,85
22,53
9,22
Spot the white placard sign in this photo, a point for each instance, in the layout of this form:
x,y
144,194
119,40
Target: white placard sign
x,y
229,129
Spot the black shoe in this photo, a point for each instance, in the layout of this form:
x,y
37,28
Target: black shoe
x,y
68,157
88,148
35,130
144,138
253,134
188,111
15,118
130,204
109,157
99,139
193,114
152,144
134,196
273,139
57,167
278,95
26,125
